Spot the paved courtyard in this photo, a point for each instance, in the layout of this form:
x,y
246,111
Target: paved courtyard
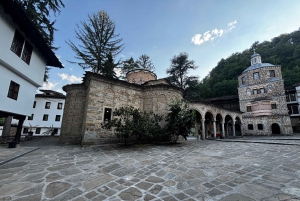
x,y
191,170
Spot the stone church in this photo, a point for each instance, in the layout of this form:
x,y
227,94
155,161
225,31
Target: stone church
x,y
263,109
262,99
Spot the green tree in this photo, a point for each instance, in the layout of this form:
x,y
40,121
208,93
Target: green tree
x,y
180,120
180,66
39,12
130,122
128,65
145,62
110,66
98,39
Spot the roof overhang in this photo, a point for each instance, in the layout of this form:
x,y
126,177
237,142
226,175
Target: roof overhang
x,y
18,15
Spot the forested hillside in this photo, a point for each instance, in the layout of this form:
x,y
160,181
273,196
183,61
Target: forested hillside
x,y
283,50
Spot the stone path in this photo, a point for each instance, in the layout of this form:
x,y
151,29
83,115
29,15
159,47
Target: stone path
x,y
193,170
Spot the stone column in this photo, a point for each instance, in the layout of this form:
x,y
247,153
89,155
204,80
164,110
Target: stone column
x,y
19,129
6,127
196,130
223,130
233,129
227,130
215,130
203,129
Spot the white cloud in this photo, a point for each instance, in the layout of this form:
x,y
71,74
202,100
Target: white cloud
x,y
122,55
118,71
232,24
49,85
154,46
71,69
198,39
70,78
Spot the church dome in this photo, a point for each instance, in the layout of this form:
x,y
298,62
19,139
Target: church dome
x,y
256,63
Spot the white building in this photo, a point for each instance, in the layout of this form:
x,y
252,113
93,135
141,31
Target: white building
x,y
47,114
24,55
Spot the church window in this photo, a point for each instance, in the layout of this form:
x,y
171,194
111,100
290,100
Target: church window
x,y
249,109
262,90
250,126
256,76
260,127
254,91
272,73
107,114
243,80
273,106
254,60
133,81
141,80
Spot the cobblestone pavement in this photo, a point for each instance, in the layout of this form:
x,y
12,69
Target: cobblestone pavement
x,y
192,170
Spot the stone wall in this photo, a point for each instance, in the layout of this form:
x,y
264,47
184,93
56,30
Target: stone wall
x,y
72,123
136,75
284,123
264,75
261,110
105,93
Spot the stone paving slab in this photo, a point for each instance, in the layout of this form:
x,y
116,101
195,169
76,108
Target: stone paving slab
x,y
192,170
9,153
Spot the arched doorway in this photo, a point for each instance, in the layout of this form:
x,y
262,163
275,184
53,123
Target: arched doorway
x,y
228,126
219,121
275,128
238,131
209,128
197,129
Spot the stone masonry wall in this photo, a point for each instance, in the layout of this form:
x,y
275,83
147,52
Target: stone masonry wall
x,y
264,75
261,111
72,122
284,123
145,75
106,94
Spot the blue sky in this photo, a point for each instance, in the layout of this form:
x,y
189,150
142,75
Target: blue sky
x,y
207,30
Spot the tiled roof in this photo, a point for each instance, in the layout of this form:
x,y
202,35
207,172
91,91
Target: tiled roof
x,y
255,54
258,65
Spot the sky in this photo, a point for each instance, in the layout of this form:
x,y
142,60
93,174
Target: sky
x,y
208,30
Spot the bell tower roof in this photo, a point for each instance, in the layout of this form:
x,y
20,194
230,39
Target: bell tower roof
x,y
255,58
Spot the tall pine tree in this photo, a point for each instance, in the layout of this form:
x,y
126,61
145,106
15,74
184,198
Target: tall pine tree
x,y
98,39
